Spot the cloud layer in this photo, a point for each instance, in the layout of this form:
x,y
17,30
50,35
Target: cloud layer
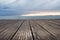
x,y
14,7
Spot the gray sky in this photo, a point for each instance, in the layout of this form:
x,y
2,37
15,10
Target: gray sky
x,y
15,7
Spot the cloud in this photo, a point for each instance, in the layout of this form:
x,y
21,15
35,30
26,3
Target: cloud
x,y
31,4
38,4
10,7
22,2
5,2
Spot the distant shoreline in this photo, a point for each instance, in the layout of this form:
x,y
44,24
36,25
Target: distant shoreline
x,y
30,17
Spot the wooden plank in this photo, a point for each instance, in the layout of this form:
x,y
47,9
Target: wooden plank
x,y
57,20
29,30
39,33
53,24
5,24
9,32
24,33
54,31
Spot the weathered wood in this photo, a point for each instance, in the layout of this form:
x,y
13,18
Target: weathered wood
x,y
54,31
53,24
29,30
5,24
24,33
9,32
40,33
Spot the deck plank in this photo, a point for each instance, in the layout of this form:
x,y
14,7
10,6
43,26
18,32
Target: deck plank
x,y
40,33
5,24
50,28
7,33
24,33
29,30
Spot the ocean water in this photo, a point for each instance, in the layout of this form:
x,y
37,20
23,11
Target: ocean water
x,y
30,17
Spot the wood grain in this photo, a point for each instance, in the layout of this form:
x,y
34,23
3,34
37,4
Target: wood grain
x,y
30,29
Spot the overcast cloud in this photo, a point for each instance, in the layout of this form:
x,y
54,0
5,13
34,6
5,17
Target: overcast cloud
x,y
15,7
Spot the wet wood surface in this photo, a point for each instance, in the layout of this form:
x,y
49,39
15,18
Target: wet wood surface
x,y
30,29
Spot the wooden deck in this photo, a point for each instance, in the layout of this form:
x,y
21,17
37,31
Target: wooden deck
x,y
29,29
